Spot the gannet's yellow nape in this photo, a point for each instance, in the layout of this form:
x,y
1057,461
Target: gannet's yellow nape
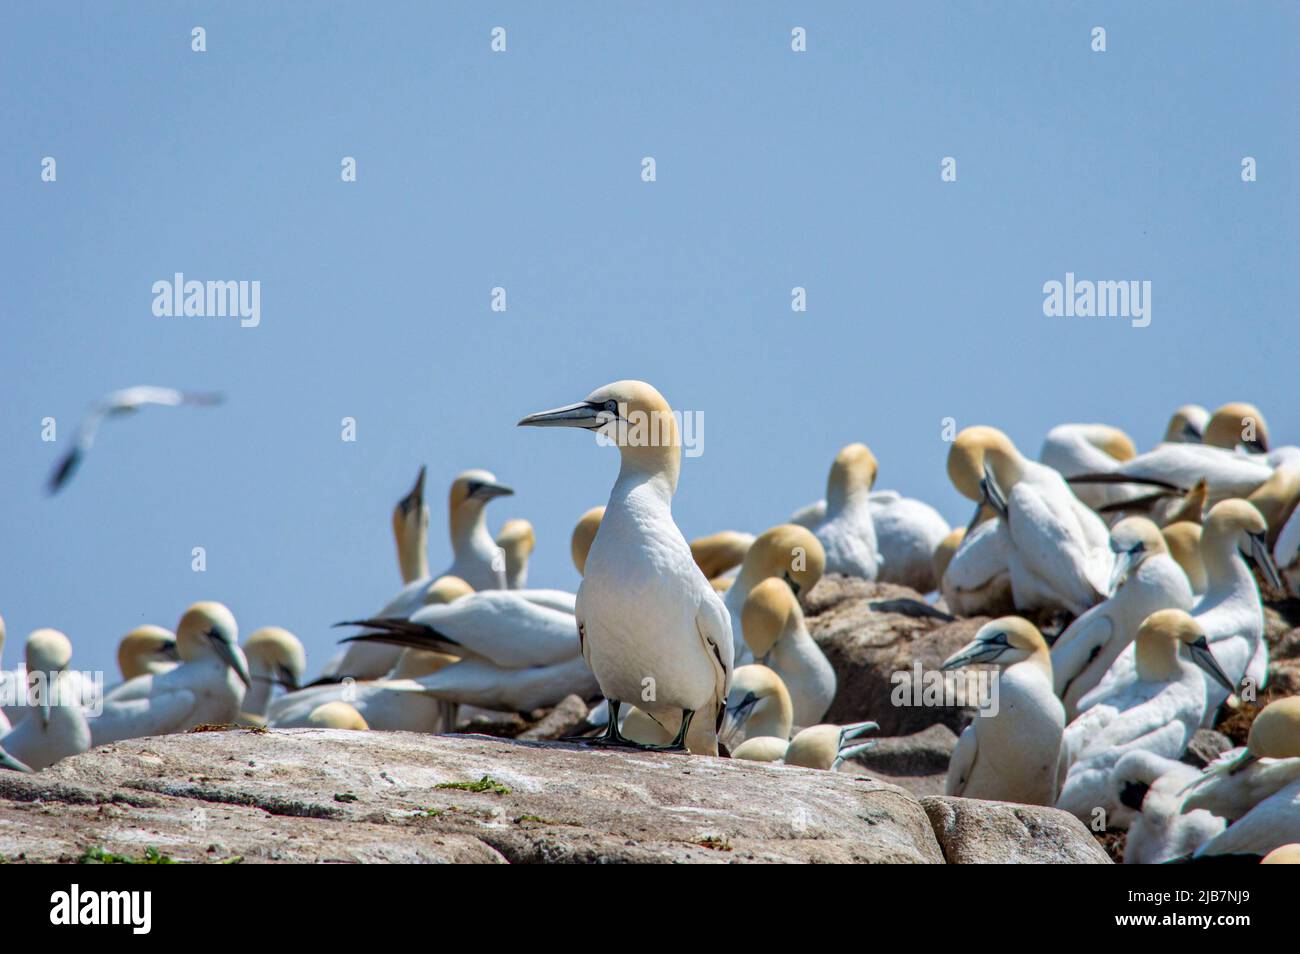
x,y
766,615
853,471
1187,426
583,535
720,552
1192,507
411,533
1277,497
208,629
446,589
276,655
147,650
1004,641
1234,526
1157,644
336,715
1237,423
966,458
944,552
758,705
1183,540
1284,855
516,540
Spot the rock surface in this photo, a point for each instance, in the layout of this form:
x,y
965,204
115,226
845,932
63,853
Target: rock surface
x,y
867,647
976,832
917,762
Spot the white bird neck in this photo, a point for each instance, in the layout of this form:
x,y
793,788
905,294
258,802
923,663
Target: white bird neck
x,y
469,531
1225,569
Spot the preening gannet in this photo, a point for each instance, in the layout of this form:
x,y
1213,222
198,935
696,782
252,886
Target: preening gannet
x,y
1158,711
1187,426
583,535
788,552
275,657
1059,549
56,728
1152,786
147,650
118,403
1073,449
336,715
1145,579
516,542
652,629
208,685
1256,789
848,533
777,637
758,705
827,746
720,552
1013,754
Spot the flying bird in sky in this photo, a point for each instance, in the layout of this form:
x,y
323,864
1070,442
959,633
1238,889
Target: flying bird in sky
x,y
118,403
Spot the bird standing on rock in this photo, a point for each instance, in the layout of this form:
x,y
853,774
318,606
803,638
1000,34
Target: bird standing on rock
x,y
652,629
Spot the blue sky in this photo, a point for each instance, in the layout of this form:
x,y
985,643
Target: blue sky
x,y
522,170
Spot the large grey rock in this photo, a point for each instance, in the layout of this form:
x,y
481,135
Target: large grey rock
x,y
320,795
868,647
978,832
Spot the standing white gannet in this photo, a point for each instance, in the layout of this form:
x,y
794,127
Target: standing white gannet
x,y
758,705
788,552
1152,787
118,403
1256,789
777,637
207,687
516,542
1013,754
275,657
1072,449
57,726
1059,554
411,533
1158,711
1145,579
147,650
848,534
651,627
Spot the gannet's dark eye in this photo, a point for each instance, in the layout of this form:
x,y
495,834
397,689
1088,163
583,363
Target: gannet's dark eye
x,y
998,639
612,406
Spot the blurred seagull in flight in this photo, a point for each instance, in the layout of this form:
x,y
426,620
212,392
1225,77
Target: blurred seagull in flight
x,y
118,403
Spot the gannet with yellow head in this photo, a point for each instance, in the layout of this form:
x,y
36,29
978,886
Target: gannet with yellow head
x,y
759,705
848,533
56,728
787,552
516,542
1145,579
652,629
411,533
1256,789
147,650
1158,711
207,687
1012,754
822,746
1058,554
777,637
1187,425
583,535
336,715
720,552
275,658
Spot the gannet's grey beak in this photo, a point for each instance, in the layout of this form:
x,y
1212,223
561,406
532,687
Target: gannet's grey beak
x,y
976,651
791,582
415,498
993,495
7,761
168,652
583,414
232,657
489,491
1192,432
975,518
1126,562
287,679
735,717
1260,556
1202,656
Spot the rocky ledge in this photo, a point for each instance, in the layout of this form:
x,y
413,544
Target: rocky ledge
x,y
314,795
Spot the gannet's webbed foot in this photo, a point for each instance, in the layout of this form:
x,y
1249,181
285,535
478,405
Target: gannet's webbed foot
x,y
610,738
678,744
